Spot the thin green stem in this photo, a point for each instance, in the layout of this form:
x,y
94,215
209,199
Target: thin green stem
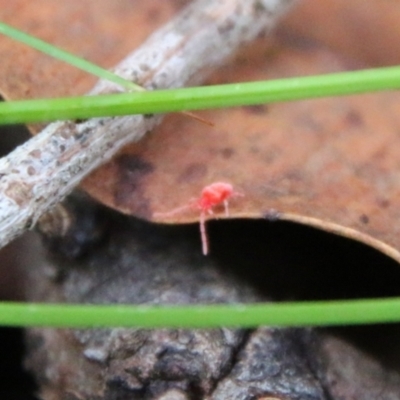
x,y
319,313
66,56
237,94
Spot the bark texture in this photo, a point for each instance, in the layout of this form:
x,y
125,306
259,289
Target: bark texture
x,y
133,262
140,263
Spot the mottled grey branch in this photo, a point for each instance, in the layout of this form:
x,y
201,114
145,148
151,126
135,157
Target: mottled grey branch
x,y
40,173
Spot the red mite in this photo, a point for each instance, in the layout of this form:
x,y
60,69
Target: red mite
x,y
212,195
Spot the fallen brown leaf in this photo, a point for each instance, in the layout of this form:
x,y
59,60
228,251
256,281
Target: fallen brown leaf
x,y
330,163
102,32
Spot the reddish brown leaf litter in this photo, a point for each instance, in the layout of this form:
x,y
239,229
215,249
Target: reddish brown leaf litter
x,y
330,163
102,32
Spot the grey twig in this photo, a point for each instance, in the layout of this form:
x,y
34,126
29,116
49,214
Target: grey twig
x,y
40,173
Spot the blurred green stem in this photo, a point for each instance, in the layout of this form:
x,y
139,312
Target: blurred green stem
x,y
319,313
236,94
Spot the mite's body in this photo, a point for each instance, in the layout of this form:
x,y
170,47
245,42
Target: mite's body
x,y
211,196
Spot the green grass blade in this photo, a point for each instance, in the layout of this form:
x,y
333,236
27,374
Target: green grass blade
x,y
229,95
66,56
317,313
